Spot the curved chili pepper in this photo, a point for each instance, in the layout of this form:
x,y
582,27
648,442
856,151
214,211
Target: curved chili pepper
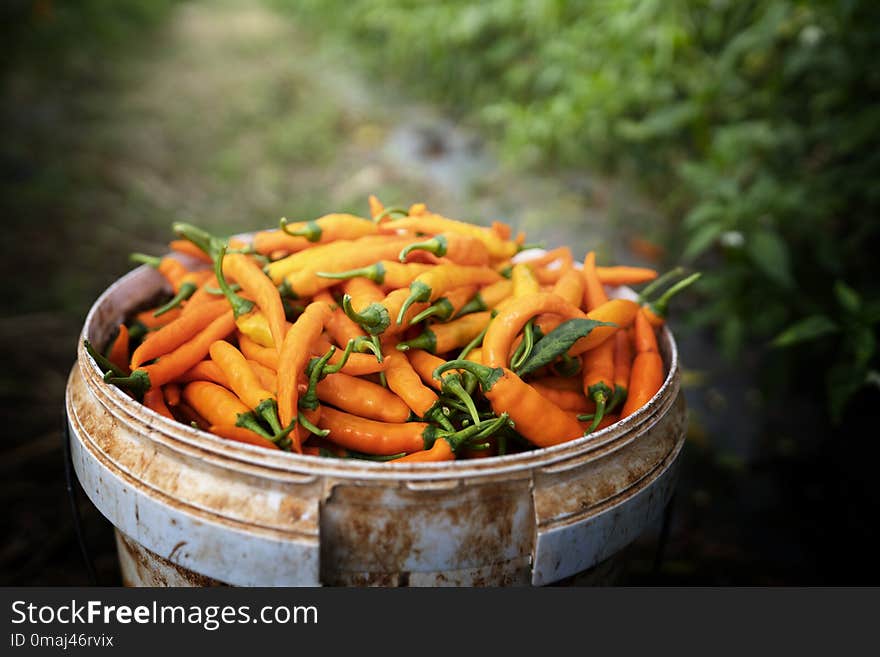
x,y
536,418
646,375
598,378
362,398
245,383
219,406
373,437
118,353
622,363
441,338
173,364
155,401
292,359
567,400
176,333
434,224
404,381
385,272
330,227
615,276
433,284
458,248
424,363
252,281
594,293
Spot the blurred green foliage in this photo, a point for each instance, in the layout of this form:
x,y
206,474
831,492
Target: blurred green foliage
x,y
756,126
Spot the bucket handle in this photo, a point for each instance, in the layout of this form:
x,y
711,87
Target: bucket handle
x,y
72,497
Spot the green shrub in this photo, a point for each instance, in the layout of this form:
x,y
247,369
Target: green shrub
x,y
756,125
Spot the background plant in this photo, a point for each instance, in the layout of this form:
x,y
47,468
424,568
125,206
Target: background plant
x,y
754,125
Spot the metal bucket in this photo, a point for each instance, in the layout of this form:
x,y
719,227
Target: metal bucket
x,y
191,509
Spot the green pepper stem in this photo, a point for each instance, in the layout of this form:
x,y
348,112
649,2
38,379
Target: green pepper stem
x,y
657,283
239,305
524,348
418,292
144,259
185,292
201,238
388,212
485,375
617,398
217,292
373,319
373,457
660,306
374,272
249,421
307,424
138,382
315,370
600,400
436,414
477,431
441,309
425,340
436,245
311,230
104,363
452,385
268,410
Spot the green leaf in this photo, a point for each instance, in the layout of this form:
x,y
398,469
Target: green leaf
x,y
557,342
701,240
863,345
806,329
847,297
770,254
843,382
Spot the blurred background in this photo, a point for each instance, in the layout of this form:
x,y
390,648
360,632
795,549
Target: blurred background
x,y
738,138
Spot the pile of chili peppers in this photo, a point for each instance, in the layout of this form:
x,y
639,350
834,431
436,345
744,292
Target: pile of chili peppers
x,y
404,337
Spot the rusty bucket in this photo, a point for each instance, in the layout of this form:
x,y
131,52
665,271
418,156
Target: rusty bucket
x,y
191,509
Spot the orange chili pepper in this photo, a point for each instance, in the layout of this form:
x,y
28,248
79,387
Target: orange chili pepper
x,y
373,437
646,376
404,381
305,234
424,364
220,407
155,401
118,354
149,319
385,272
244,382
205,370
594,293
614,276
435,224
255,283
177,332
598,378
171,365
172,393
455,247
433,284
292,359
362,398
567,400
187,248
